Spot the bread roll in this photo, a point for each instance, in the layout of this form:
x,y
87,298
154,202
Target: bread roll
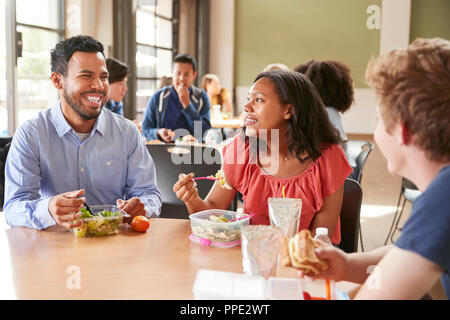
x,y
298,252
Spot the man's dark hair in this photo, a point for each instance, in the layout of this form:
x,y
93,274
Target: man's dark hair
x,y
309,128
64,50
186,58
117,70
332,80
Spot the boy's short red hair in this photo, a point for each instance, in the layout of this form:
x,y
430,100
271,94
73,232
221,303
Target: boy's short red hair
x,y
413,87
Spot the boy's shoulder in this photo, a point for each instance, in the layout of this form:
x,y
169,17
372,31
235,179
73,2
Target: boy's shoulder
x,y
431,206
440,186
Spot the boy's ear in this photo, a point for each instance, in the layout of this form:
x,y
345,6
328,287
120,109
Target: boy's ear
x,y
406,135
289,112
56,80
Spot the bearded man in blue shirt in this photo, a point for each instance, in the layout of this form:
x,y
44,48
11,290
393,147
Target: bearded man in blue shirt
x,y
77,151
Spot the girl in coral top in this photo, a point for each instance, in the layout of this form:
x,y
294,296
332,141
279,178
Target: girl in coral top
x,y
289,144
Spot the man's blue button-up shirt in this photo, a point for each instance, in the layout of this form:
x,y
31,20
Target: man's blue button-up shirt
x,y
47,158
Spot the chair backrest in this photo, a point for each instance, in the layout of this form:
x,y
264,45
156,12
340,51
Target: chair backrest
x,y
409,190
407,184
5,142
171,160
357,152
350,213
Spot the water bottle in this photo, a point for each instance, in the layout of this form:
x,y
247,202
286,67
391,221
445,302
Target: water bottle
x,y
216,115
213,137
322,234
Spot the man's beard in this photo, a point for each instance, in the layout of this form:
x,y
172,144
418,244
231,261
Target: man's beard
x,y
77,107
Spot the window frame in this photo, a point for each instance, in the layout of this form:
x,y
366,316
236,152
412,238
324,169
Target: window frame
x,y
173,49
12,76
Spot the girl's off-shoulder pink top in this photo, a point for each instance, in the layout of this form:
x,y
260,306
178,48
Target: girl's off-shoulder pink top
x,y
321,179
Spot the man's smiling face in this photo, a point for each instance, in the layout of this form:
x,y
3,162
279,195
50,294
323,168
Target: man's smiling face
x,y
86,85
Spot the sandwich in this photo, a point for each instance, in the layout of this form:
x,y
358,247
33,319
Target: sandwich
x,y
298,252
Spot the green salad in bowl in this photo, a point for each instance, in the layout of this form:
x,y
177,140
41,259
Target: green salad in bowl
x,y
102,221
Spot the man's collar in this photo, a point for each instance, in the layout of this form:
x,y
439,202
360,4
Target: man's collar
x,y
59,121
62,126
100,123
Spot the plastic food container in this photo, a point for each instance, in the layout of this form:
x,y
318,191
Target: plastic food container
x,y
214,233
101,225
208,243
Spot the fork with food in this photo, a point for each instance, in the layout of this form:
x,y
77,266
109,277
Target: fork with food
x,y
218,177
220,196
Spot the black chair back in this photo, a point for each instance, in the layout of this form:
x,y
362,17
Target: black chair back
x,y
357,152
171,160
408,192
350,213
5,143
408,185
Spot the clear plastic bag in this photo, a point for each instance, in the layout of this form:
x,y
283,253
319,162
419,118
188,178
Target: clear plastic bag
x,y
260,249
285,213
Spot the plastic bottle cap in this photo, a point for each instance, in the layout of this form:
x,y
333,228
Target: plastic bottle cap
x,y
322,231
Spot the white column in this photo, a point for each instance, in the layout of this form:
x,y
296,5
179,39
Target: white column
x,y
394,33
395,22
187,26
221,42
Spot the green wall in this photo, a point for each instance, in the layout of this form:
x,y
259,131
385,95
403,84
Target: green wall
x,y
295,31
430,18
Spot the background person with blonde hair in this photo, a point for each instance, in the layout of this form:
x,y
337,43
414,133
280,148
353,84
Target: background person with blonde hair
x,y
216,93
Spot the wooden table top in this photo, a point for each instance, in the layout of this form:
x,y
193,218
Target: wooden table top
x,y
159,264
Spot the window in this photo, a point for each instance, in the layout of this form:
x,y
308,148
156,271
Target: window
x,y
38,26
154,46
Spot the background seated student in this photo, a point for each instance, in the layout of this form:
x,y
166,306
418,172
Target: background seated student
x,y
333,82
179,106
217,95
118,77
289,143
77,151
412,87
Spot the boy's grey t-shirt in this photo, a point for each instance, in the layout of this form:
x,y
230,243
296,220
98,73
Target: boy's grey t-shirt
x,y
427,231
335,118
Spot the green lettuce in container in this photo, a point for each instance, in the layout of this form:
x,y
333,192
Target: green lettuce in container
x,y
103,221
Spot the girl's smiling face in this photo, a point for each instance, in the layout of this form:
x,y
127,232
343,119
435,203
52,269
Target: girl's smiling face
x,y
265,111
